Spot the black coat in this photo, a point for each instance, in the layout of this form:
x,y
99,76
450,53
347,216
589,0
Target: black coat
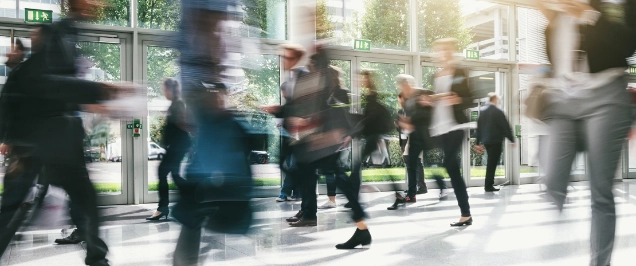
x,y
610,41
421,118
492,126
462,88
49,96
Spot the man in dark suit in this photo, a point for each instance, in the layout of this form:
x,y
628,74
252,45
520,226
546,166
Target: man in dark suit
x,y
492,128
44,125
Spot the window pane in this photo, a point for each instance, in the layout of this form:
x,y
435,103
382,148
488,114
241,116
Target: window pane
x,y
264,19
384,22
477,25
531,25
159,14
102,141
385,163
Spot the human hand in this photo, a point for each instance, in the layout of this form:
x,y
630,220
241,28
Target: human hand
x,y
96,108
271,109
425,100
111,91
5,149
297,122
453,99
575,8
479,148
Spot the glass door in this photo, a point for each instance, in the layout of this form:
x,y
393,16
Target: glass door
x,y
106,140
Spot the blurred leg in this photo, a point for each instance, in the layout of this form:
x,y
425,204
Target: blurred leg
x,y
606,132
451,144
560,155
494,154
187,251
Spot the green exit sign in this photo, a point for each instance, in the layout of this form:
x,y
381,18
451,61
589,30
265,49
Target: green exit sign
x,y
38,16
632,70
363,45
474,116
472,54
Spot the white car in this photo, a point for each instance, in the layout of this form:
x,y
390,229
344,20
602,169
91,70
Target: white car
x,y
155,152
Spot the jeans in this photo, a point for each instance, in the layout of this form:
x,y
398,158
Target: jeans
x,y
451,144
171,164
599,120
330,163
494,155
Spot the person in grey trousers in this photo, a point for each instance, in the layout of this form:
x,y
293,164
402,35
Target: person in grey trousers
x,y
589,108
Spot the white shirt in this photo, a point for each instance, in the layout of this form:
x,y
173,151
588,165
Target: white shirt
x,y
572,75
443,114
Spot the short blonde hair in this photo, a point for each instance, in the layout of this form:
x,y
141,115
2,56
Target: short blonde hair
x,y
298,50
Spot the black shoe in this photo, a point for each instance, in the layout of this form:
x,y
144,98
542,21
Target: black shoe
x,y
360,237
157,216
421,191
304,223
348,205
467,222
74,238
399,201
103,262
410,199
296,217
491,189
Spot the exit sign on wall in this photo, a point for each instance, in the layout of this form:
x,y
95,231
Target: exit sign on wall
x,y
363,45
38,16
472,54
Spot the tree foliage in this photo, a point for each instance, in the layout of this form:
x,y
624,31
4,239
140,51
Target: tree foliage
x,y
161,64
439,19
386,23
104,56
111,13
159,14
324,25
260,14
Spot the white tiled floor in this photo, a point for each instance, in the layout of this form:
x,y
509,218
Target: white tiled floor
x,y
515,226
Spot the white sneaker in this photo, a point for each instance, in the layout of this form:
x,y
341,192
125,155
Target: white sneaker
x,y
327,205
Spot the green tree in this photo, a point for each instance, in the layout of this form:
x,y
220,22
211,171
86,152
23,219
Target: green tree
x,y
157,124
111,13
439,19
386,23
324,26
104,56
263,15
161,64
159,14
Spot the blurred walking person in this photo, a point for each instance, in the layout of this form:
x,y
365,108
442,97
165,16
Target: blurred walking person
x,y
51,94
589,107
492,128
222,146
176,139
452,97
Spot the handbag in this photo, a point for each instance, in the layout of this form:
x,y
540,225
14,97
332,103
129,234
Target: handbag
x,y
536,102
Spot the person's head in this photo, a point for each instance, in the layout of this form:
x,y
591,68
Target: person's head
x,y
292,54
84,9
171,89
16,55
366,81
405,82
445,49
39,37
494,98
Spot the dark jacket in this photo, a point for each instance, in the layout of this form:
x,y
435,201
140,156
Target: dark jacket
x,y
173,135
462,88
610,41
421,118
50,95
376,119
492,126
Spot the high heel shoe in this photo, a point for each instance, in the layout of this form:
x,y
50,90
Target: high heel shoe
x,y
467,222
157,216
360,237
396,205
